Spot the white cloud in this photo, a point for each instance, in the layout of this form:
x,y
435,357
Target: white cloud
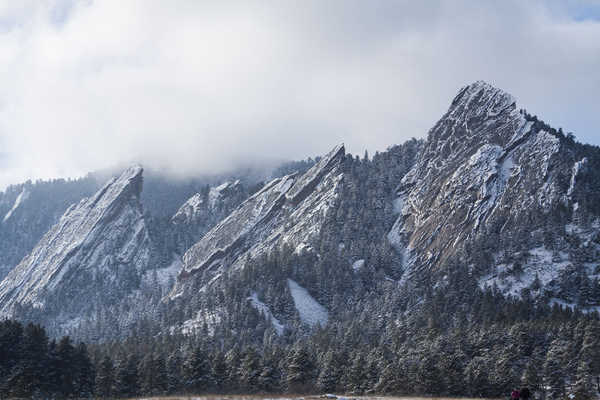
x,y
192,86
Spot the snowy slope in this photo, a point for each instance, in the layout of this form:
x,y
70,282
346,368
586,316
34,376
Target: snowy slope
x,y
24,195
266,312
492,180
311,312
94,252
288,210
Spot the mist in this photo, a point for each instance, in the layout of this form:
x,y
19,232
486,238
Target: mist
x,y
189,87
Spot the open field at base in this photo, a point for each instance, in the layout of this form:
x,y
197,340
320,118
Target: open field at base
x,y
300,397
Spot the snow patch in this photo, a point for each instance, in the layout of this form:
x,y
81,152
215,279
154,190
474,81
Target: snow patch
x,y
398,205
164,276
303,248
24,195
203,319
541,264
577,168
358,265
266,311
311,312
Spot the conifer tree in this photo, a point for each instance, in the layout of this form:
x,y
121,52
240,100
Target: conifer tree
x,y
127,377
105,378
329,376
300,370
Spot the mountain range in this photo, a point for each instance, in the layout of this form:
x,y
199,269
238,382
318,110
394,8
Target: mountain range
x,y
494,196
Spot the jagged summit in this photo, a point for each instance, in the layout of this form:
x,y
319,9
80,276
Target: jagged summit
x,y
81,256
287,210
480,113
129,183
490,178
480,100
307,182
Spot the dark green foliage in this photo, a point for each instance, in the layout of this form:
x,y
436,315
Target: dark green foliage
x,y
31,366
300,370
105,378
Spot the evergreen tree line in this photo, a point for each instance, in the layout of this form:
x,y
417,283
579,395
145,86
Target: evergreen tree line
x,y
33,366
553,350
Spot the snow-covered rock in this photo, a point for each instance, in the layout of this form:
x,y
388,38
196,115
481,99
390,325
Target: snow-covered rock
x,y
491,178
204,210
289,210
91,258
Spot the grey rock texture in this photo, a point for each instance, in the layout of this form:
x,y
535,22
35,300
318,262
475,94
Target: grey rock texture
x,y
93,256
288,210
494,188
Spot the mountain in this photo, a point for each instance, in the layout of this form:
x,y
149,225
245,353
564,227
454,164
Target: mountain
x,y
289,210
98,251
500,193
28,211
494,198
206,209
459,265
292,249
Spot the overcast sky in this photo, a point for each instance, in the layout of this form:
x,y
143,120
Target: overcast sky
x,y
197,86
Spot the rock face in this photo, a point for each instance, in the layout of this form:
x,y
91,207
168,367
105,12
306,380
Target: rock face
x,y
93,256
495,195
29,210
288,210
494,187
204,210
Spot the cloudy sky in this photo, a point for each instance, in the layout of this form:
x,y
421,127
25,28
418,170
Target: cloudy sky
x,y
198,86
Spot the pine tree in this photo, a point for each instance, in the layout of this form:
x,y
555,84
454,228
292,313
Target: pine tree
x,y
232,360
196,371
300,370
11,341
357,377
174,379
531,376
66,363
584,387
127,377
105,378
329,376
554,375
390,380
83,372
249,370
29,375
268,380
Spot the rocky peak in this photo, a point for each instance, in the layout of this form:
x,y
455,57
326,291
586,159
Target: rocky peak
x,y
200,205
480,114
287,210
486,176
204,210
85,255
480,99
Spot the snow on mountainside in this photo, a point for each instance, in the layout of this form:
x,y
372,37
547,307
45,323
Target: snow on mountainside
x,y
494,194
489,188
266,312
287,210
204,210
311,312
95,252
24,195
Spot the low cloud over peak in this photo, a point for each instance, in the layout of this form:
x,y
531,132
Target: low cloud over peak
x,y
190,87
